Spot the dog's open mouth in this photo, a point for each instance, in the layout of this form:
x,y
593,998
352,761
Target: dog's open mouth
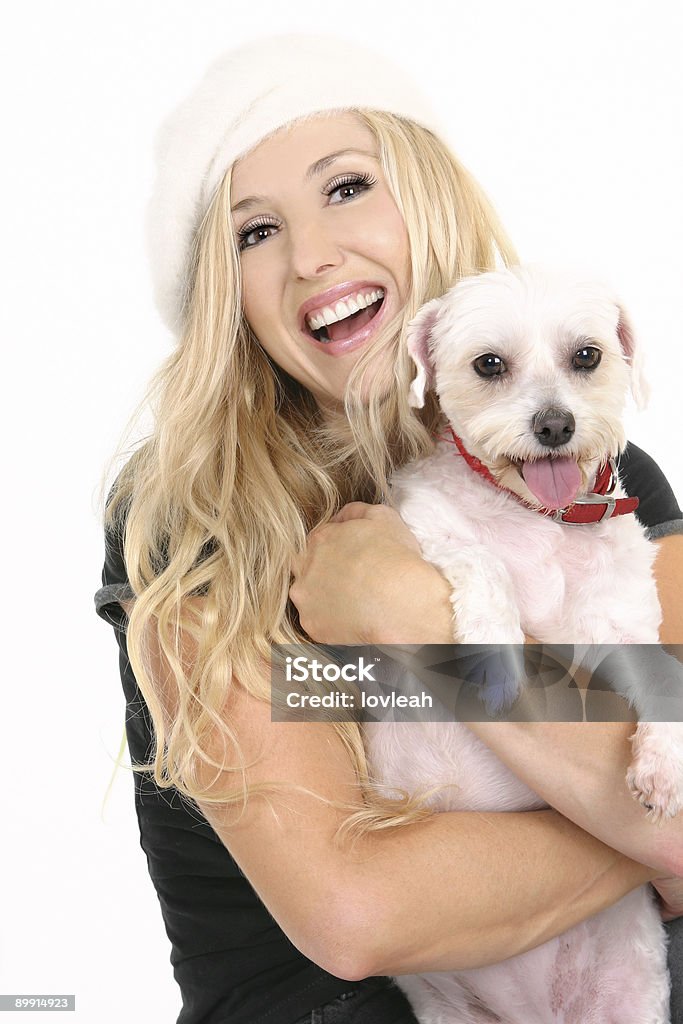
x,y
350,316
554,481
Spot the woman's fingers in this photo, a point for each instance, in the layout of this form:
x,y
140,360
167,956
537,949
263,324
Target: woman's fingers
x,y
353,510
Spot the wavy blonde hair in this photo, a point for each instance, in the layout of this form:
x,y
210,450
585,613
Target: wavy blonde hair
x,y
240,466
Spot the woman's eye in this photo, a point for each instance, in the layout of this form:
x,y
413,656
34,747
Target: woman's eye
x,y
587,358
254,234
348,186
489,365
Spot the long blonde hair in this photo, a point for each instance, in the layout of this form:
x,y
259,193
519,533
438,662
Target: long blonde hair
x,y
240,466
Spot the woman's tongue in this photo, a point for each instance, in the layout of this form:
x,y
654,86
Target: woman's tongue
x,y
555,482
350,324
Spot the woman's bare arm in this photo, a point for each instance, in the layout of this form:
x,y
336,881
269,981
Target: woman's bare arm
x,y
454,891
669,576
579,768
588,782
372,554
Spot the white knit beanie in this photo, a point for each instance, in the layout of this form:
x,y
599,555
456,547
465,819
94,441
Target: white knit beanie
x,y
244,96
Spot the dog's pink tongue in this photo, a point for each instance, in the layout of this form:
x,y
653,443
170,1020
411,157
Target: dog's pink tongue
x,y
555,482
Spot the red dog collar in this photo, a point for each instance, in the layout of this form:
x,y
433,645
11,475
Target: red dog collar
x,y
592,508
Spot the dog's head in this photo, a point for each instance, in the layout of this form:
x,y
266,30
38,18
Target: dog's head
x,y
532,370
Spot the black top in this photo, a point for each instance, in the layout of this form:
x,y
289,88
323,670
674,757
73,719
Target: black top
x,y
232,962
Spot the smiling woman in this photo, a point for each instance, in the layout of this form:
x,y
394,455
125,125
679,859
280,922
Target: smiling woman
x,y
285,198
324,249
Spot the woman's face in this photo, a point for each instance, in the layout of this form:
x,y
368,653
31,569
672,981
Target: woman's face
x,y
323,249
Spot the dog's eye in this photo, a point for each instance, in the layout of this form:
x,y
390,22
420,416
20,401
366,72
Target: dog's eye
x,y
489,365
587,358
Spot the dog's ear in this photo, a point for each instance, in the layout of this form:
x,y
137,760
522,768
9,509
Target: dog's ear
x,y
631,349
419,337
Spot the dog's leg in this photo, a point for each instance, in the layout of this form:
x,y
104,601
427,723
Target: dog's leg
x,y
485,612
655,776
651,680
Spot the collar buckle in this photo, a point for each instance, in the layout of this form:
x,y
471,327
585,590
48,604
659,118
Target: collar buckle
x,y
610,505
608,511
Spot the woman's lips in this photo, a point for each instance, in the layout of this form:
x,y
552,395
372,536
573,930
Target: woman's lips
x,y
344,345
355,297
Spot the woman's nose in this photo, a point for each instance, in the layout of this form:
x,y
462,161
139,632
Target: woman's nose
x,y
313,250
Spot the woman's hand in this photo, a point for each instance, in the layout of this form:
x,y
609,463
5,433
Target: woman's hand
x,y
670,891
362,580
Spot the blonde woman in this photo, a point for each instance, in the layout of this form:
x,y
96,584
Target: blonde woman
x,y
289,889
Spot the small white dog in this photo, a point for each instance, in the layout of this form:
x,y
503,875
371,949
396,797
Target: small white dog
x,y
532,370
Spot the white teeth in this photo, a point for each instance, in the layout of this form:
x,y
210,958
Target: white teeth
x,y
343,308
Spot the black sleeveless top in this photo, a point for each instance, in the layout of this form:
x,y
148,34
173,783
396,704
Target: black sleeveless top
x,y
233,964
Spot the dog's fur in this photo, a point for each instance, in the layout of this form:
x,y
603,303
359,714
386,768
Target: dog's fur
x,y
515,571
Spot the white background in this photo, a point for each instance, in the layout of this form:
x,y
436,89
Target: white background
x,y
569,115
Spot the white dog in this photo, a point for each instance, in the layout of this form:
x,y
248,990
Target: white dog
x,y
532,370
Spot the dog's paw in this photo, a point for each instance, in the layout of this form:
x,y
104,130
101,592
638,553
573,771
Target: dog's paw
x,y
499,695
655,790
493,674
655,777
496,671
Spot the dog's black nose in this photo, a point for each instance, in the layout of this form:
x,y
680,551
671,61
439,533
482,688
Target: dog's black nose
x,y
554,427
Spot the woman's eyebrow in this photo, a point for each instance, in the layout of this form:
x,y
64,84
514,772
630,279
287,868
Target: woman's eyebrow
x,y
315,169
246,204
321,165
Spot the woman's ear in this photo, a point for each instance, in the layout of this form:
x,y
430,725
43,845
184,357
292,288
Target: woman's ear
x,y
419,348
631,349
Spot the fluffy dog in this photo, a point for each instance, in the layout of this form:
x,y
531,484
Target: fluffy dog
x,y
532,371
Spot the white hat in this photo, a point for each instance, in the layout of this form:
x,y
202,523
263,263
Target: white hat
x,y
244,96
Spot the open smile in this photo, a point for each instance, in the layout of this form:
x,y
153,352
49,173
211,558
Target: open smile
x,y
346,320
